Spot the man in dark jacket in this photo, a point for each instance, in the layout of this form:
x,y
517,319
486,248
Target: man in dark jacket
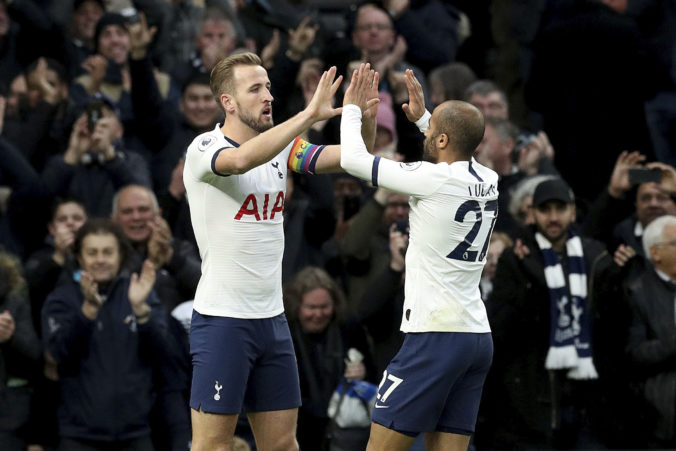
x,y
108,333
652,347
177,262
544,302
94,166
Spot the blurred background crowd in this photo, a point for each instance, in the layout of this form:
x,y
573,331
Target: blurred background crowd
x,y
100,98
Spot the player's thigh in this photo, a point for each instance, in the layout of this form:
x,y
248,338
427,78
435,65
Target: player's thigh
x,y
273,383
275,430
462,404
220,372
414,387
444,441
419,383
384,439
212,431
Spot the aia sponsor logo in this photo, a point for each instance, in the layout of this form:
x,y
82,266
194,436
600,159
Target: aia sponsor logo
x,y
252,207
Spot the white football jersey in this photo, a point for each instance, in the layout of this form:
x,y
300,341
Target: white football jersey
x,y
238,223
453,211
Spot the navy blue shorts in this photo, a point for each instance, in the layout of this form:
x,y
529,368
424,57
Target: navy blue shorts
x,y
242,365
434,383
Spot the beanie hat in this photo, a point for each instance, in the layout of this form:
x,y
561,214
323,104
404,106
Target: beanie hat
x,y
106,20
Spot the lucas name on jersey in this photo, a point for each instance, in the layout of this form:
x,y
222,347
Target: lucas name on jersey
x,y
481,190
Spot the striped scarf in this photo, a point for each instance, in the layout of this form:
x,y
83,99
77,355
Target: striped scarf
x,y
570,326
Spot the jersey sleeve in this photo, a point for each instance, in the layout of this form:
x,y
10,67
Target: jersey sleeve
x,y
201,157
416,179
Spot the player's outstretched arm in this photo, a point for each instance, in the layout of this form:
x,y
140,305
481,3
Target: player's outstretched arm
x,y
329,160
267,145
417,179
353,156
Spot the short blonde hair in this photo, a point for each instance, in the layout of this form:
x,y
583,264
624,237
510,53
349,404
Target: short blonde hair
x,y
221,81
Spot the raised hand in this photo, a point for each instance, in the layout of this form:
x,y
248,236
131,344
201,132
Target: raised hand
x,y
308,77
393,57
90,291
398,245
270,50
668,182
96,65
63,242
103,137
372,111
79,142
321,106
415,107
140,287
176,186
160,250
543,144
619,179
520,249
37,79
623,254
301,38
140,37
396,7
529,158
361,88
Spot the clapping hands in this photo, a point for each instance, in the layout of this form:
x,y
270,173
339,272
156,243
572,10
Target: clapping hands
x,y
160,250
140,286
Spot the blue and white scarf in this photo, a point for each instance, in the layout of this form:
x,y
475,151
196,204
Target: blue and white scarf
x,y
570,327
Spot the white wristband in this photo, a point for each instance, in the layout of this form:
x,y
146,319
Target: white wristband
x,y
424,122
352,107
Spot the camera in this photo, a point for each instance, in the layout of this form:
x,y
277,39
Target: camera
x,y
523,140
644,175
94,112
402,226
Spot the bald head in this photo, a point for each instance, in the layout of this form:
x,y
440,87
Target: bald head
x,y
463,123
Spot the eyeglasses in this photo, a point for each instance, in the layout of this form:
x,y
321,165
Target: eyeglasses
x,y
377,26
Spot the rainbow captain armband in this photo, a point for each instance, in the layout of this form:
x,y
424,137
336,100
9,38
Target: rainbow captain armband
x,y
303,156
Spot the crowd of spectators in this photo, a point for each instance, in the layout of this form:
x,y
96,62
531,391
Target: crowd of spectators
x,y
98,263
